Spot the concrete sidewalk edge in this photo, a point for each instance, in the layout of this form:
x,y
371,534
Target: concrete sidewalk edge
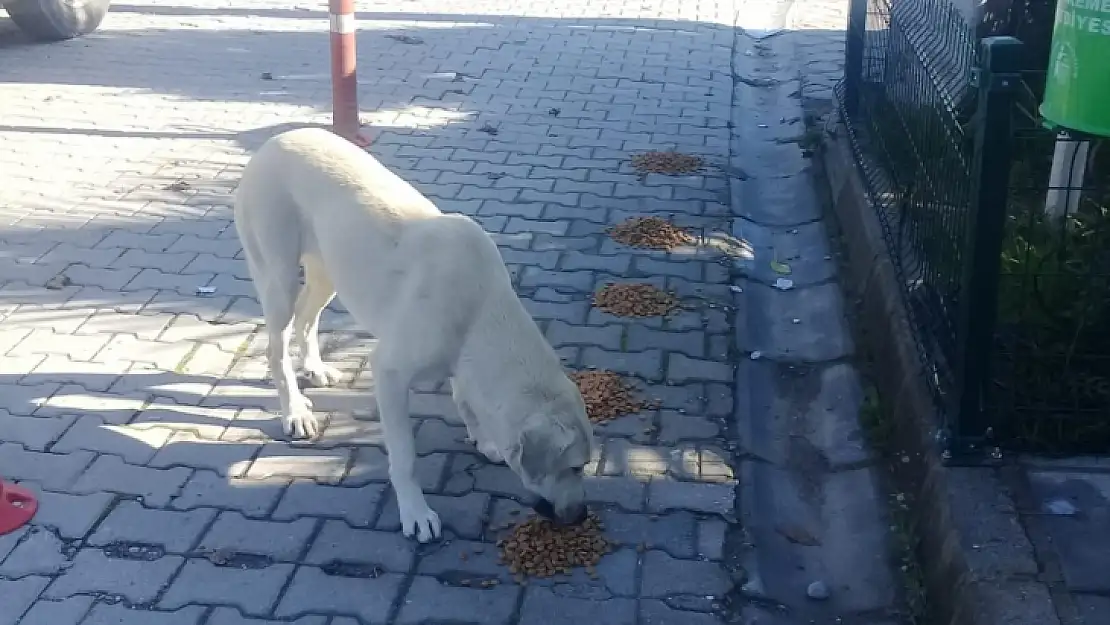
x,y
979,565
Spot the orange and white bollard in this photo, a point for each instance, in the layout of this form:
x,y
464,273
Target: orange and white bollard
x,y
17,506
344,81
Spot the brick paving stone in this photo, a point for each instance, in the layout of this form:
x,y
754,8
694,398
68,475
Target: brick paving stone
x,y
313,591
430,600
43,341
653,612
139,581
282,541
469,473
711,539
11,539
463,559
647,365
666,495
682,369
40,553
322,465
133,445
620,491
621,457
120,614
174,531
160,355
541,605
608,337
107,322
65,612
113,406
357,505
252,590
17,596
34,433
208,424
337,541
691,343
229,337
673,533
186,449
230,616
51,471
677,427
112,474
616,573
638,428
71,516
664,576
251,498
435,435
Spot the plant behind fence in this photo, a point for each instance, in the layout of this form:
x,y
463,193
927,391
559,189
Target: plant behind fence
x,y
1009,306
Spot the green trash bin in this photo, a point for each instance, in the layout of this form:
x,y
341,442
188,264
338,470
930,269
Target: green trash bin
x,y
1077,91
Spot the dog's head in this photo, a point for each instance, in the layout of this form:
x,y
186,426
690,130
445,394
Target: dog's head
x,y
551,451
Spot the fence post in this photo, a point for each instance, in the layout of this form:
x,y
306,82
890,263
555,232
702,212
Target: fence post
x,y
853,55
998,81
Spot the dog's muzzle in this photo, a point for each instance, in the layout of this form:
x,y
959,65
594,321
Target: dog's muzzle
x,y
575,516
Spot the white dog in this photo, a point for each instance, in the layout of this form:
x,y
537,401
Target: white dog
x,y
434,291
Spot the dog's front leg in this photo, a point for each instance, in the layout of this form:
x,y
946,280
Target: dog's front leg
x,y
393,408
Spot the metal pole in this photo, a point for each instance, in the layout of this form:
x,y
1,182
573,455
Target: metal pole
x,y
344,81
999,81
853,53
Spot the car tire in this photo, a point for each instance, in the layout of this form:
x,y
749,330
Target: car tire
x,y
56,20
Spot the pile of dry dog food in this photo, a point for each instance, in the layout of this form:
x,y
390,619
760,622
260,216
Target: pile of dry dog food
x,y
634,299
654,233
670,163
540,548
607,395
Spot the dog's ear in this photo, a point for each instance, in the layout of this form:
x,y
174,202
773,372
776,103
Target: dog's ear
x,y
537,450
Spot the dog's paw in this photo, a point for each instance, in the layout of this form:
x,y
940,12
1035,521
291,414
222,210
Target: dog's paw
x,y
419,520
491,453
488,450
300,422
321,375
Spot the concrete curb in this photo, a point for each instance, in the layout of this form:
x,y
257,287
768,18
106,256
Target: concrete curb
x,y
980,566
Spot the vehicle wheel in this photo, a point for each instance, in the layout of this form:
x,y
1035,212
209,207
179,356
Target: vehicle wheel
x,y
55,20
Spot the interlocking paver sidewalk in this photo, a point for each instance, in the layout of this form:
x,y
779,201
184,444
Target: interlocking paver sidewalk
x,y
131,378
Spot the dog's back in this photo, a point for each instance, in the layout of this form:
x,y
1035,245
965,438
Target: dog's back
x,y
314,173
311,193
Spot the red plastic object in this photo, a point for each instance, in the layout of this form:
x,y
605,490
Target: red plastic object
x,y
17,506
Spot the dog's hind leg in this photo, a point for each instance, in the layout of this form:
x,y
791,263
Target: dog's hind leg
x,y
272,258
315,295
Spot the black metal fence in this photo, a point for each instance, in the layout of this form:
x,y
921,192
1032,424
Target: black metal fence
x,y
999,230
